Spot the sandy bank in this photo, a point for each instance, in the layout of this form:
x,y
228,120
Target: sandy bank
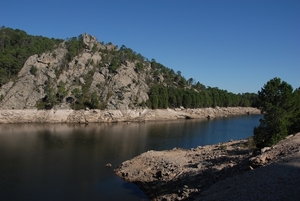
x,y
94,116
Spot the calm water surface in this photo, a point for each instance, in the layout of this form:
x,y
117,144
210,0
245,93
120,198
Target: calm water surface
x,y
67,162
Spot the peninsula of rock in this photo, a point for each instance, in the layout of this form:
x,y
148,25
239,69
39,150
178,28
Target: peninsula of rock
x,y
225,171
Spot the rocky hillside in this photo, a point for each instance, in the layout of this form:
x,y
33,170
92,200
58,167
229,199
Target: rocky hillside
x,y
82,72
48,80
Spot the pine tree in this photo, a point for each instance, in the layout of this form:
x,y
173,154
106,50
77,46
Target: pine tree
x,y
277,102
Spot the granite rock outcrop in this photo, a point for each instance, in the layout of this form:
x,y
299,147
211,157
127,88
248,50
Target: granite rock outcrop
x,y
50,74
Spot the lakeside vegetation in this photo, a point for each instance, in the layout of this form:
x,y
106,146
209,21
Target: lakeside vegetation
x,y
280,104
163,97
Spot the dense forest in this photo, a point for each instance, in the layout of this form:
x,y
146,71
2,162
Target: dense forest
x,y
167,88
162,97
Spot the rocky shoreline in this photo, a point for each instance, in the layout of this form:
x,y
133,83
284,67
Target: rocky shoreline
x,y
227,171
134,115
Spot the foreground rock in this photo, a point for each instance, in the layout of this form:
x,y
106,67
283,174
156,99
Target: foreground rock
x,y
225,171
139,115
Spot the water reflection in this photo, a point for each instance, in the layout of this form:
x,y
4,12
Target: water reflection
x,y
67,162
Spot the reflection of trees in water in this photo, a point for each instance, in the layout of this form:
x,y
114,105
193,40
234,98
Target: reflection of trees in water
x,y
104,140
76,137
51,141
170,134
85,139
110,140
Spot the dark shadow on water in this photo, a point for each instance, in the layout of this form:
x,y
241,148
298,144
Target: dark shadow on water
x,y
135,190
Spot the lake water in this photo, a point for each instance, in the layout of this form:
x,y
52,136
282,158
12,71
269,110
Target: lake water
x,y
67,162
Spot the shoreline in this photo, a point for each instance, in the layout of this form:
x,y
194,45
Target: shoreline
x,y
224,171
130,115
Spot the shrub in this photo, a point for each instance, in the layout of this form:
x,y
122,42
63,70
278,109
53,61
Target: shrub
x,y
33,70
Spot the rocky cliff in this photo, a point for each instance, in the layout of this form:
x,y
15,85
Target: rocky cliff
x,y
55,81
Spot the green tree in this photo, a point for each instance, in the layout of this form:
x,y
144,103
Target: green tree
x,y
295,121
190,81
50,98
61,91
154,101
277,102
163,97
187,100
172,97
79,97
114,65
33,70
153,97
94,101
74,45
200,86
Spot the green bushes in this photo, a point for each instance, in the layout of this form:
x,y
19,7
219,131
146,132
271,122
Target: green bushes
x,y
61,91
33,70
74,46
114,65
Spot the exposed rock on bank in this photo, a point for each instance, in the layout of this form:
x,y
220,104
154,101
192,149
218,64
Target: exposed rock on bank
x,y
94,116
225,171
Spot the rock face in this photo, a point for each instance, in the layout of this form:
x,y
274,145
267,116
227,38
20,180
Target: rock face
x,y
138,115
49,74
217,172
29,88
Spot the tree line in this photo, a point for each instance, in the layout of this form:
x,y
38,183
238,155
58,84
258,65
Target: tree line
x,y
161,97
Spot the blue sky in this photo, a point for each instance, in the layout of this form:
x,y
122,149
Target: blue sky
x,y
234,45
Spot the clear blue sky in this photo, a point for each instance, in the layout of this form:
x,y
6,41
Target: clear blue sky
x,y
234,45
